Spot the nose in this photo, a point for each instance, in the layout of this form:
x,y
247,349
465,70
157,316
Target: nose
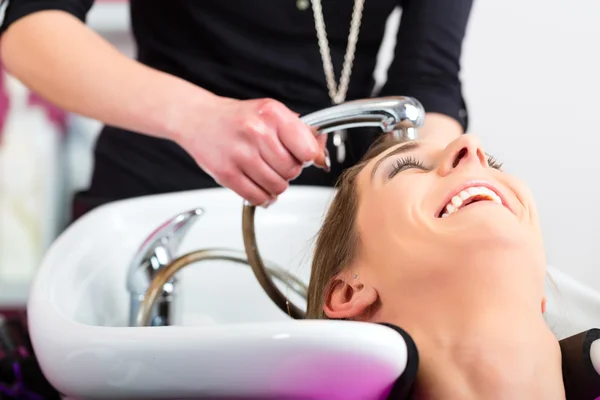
x,y
464,152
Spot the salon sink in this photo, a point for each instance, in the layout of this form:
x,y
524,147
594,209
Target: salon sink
x,y
227,339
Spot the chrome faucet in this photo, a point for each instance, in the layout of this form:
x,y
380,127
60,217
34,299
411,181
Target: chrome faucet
x,y
151,278
155,253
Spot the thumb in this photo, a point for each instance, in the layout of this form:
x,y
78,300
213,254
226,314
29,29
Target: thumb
x,y
322,160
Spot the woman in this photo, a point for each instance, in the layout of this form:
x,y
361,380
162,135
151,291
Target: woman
x,y
215,91
439,241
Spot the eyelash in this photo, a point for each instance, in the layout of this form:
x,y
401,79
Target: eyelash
x,y
411,162
493,163
402,163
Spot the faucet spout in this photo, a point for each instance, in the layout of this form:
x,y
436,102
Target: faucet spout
x,y
239,257
399,116
156,252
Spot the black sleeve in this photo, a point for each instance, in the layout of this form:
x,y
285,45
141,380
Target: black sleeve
x,y
427,57
17,9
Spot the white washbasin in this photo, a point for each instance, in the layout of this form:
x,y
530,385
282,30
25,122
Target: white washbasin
x,y
229,339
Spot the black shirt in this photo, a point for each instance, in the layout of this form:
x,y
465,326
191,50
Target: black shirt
x,y
248,49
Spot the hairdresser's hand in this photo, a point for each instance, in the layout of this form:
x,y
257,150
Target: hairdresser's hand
x,y
254,147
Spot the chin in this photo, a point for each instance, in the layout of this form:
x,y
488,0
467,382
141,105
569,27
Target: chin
x,y
506,248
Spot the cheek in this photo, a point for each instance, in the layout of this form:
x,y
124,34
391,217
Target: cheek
x,y
530,217
395,216
400,203
526,199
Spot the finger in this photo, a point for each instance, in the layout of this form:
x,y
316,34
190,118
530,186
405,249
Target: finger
x,y
322,160
321,138
253,193
274,153
296,136
263,175
241,184
299,140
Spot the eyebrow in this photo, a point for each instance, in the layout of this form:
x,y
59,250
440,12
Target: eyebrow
x,y
398,150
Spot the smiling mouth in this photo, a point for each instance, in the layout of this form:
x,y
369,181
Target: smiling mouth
x,y
467,197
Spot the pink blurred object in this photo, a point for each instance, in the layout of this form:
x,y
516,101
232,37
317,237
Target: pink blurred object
x,y
56,116
4,102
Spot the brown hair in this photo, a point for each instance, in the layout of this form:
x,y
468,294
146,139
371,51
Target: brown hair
x,y
338,238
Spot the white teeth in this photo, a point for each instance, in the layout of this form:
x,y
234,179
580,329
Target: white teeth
x,y
473,191
457,201
490,193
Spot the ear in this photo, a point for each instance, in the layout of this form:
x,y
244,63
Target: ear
x,y
544,305
347,298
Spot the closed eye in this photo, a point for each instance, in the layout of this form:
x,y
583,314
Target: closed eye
x,y
402,164
409,162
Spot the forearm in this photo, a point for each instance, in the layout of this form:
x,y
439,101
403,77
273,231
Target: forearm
x,y
79,71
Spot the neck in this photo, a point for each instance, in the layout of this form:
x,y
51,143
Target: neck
x,y
517,358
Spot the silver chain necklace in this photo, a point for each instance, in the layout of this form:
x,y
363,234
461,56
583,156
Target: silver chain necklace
x,y
337,93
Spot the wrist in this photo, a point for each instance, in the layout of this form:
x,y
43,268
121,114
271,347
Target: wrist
x,y
183,101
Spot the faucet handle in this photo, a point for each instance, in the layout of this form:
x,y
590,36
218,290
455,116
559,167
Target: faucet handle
x,y
171,233
159,249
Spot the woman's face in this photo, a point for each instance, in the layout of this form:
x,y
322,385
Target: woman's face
x,y
437,222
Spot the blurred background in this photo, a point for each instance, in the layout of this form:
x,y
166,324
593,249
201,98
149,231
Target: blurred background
x,y
530,75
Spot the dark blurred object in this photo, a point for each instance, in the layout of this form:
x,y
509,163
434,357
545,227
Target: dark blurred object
x,y
20,374
582,382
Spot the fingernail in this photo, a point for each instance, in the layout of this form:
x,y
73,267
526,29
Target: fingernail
x,y
327,161
269,203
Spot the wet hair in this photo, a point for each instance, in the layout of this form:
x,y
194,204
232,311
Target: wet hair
x,y
338,238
